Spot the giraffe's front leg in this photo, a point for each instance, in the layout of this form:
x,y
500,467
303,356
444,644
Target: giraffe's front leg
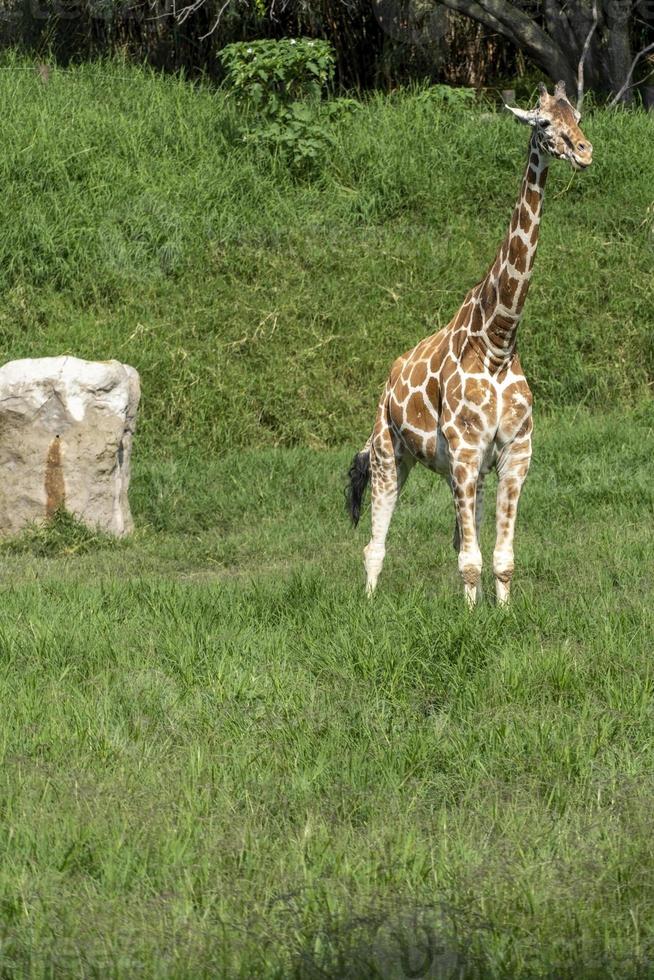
x,y
479,513
464,476
512,467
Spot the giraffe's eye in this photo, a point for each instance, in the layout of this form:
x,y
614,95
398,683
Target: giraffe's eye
x,y
543,123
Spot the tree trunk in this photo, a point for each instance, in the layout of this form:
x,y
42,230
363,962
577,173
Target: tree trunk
x,y
557,47
620,55
527,35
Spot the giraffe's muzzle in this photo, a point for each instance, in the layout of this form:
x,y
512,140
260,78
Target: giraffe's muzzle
x,y
582,156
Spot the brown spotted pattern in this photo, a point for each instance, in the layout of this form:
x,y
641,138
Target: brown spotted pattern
x,y
458,402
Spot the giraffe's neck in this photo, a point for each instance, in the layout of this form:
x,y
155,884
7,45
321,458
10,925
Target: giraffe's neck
x,y
503,292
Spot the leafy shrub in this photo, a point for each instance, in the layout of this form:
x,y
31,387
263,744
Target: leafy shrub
x,y
283,82
447,95
275,73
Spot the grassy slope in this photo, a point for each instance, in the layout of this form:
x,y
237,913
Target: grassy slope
x,y
134,224
216,758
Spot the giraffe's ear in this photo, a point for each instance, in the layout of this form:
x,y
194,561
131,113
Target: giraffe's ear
x,y
527,116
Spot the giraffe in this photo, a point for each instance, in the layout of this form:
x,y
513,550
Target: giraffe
x,y
458,402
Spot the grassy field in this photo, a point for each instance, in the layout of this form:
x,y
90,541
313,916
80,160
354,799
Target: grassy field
x,y
220,760
217,758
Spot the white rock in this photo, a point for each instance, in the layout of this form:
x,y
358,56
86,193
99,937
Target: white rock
x,y
66,428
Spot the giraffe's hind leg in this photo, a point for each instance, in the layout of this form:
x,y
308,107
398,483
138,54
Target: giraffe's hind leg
x,y
390,465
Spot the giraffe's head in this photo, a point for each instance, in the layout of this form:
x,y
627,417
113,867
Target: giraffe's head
x,y
556,125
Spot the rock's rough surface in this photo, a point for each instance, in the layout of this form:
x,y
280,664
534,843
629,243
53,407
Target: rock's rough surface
x,y
66,429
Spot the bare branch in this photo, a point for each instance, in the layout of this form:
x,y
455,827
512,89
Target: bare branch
x,y
627,82
187,11
582,59
217,20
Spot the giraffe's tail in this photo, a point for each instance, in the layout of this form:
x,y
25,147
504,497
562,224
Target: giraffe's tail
x,y
358,479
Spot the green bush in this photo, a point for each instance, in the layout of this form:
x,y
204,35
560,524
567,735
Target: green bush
x,y
448,95
272,74
281,83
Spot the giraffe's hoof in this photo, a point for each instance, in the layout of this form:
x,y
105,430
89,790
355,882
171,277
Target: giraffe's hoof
x,y
472,595
502,592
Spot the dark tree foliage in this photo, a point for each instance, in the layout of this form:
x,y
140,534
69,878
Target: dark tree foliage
x,y
377,42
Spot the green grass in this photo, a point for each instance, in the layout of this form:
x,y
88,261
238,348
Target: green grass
x,y
263,311
218,759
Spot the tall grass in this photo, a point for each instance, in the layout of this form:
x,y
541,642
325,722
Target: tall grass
x,y
217,759
265,311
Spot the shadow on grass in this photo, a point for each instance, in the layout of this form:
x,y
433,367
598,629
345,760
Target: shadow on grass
x,y
392,942
405,942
